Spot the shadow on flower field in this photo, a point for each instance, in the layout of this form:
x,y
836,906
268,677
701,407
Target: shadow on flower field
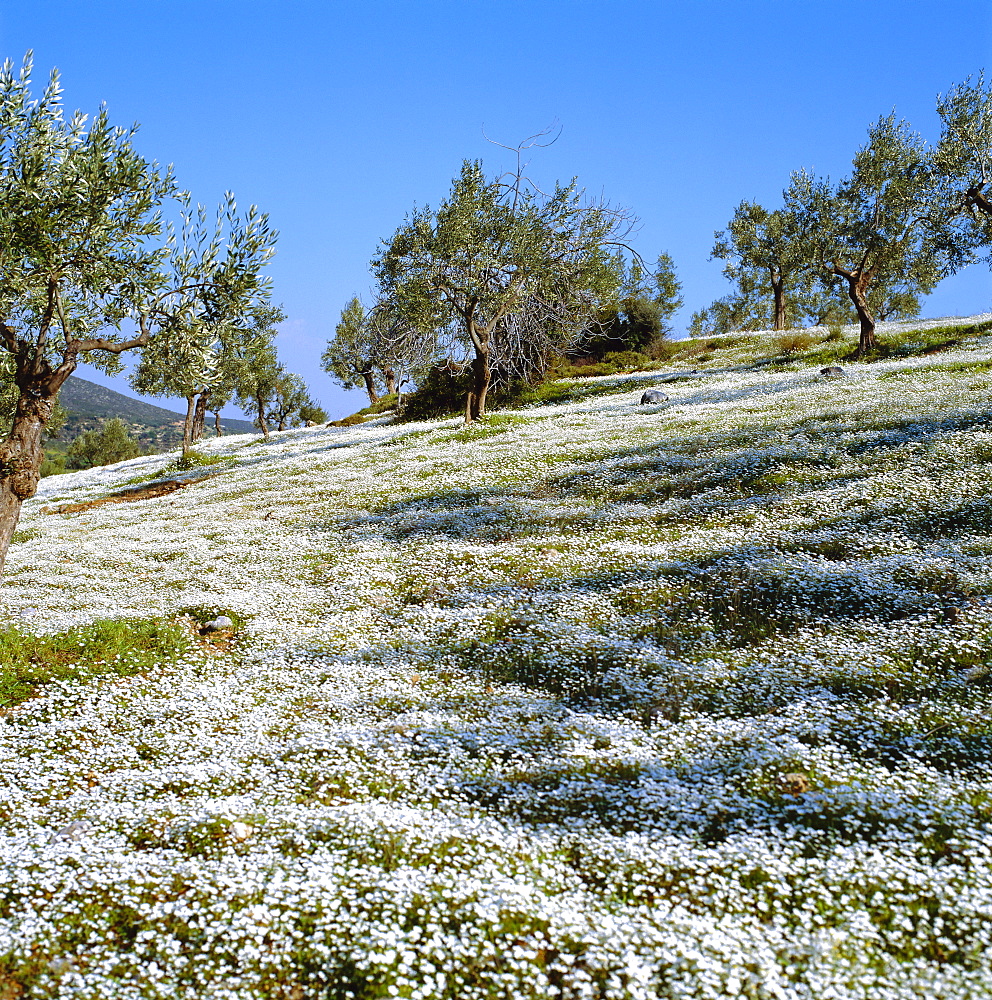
x,y
599,702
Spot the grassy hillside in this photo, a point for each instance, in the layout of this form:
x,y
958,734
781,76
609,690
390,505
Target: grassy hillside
x,y
592,700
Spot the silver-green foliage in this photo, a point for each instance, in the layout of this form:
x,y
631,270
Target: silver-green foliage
x,y
882,222
499,269
112,443
353,356
89,266
964,157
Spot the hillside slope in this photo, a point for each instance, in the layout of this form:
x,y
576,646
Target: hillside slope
x,y
592,700
90,406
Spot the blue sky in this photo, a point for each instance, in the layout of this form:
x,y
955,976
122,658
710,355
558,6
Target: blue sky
x,y
338,117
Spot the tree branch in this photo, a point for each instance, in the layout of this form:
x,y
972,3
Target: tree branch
x,y
111,346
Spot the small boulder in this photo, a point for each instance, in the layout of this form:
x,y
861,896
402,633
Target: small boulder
x,y
76,830
792,783
833,371
241,831
222,623
653,396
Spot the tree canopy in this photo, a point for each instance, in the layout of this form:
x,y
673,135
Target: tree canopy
x,y
499,269
91,267
963,157
111,443
359,353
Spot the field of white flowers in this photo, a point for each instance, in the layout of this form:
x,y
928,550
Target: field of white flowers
x,y
596,700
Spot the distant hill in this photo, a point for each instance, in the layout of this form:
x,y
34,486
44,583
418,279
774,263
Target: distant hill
x,y
90,406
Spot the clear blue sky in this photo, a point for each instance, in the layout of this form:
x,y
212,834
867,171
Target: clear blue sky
x,y
337,117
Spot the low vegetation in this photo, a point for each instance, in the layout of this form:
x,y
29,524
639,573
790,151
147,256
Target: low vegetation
x,y
29,663
583,700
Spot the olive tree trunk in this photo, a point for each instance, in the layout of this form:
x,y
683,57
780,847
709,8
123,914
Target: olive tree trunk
x,y
778,290
200,415
475,402
977,198
21,456
261,402
857,289
370,387
188,424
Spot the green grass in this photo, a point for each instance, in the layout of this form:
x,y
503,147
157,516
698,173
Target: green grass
x,y
382,405
193,459
489,425
904,344
123,647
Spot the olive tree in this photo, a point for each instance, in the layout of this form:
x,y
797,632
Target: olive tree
x,y
88,266
111,443
358,353
252,373
496,265
963,158
882,223
772,245
291,402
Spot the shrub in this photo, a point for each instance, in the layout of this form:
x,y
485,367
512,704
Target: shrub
x,y
113,443
793,342
312,414
54,466
192,459
442,393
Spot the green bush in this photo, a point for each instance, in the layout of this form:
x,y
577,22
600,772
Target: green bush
x,y
312,414
628,360
442,393
794,342
112,443
54,466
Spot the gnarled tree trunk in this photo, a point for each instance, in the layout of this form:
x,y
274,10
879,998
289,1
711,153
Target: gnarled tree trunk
x,y
390,377
857,289
188,424
976,197
21,456
200,415
475,402
369,388
261,402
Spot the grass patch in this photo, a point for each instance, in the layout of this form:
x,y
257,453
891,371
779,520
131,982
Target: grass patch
x,y
902,344
193,459
382,405
352,421
489,425
123,647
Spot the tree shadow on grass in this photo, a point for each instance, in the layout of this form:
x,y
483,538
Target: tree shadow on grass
x,y
702,478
